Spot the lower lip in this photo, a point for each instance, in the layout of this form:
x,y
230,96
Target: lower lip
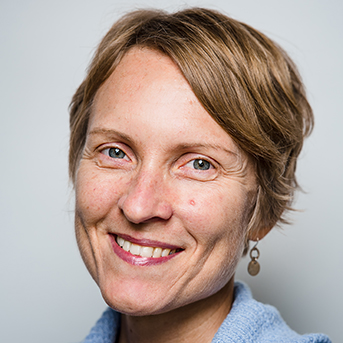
x,y
138,260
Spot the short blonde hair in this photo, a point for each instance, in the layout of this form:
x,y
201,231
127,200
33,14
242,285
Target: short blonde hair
x,y
244,80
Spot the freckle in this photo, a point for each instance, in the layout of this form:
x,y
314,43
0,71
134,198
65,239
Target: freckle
x,y
192,202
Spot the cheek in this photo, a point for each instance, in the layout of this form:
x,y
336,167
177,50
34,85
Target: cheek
x,y
96,195
202,209
85,247
215,215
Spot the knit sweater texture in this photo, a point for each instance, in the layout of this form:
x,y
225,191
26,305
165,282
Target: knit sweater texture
x,y
248,322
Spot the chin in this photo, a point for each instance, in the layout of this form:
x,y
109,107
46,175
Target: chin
x,y
132,299
134,306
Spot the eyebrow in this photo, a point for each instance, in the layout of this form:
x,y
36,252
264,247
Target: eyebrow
x,y
183,146
206,146
109,133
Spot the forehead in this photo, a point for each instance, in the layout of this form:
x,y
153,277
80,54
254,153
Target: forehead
x,y
147,76
147,93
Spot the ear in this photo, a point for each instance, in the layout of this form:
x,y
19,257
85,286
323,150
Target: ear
x,y
255,235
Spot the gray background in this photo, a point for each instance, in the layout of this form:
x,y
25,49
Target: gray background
x,y
46,294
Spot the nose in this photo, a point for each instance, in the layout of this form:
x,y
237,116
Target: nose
x,y
146,199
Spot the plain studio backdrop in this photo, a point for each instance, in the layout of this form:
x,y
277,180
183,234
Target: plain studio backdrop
x,y
46,294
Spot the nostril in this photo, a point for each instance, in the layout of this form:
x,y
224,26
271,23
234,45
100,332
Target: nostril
x,y
152,220
140,210
145,200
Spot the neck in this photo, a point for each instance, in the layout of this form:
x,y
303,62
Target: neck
x,y
196,322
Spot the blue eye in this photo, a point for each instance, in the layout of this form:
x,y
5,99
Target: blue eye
x,y
116,153
201,164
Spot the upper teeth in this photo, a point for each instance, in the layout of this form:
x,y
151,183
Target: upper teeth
x,y
143,251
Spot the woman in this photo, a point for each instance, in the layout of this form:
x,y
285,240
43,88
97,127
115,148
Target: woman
x,y
184,139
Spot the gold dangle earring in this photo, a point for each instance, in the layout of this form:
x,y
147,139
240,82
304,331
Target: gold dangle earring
x,y
254,266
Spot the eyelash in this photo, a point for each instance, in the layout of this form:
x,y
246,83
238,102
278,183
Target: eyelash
x,y
117,152
198,165
200,161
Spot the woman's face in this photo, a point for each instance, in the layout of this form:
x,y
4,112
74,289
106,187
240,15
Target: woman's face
x,y
160,177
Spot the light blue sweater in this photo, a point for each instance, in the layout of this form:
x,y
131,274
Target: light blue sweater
x,y
248,321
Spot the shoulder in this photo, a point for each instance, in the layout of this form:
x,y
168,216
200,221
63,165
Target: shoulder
x,y
105,329
252,321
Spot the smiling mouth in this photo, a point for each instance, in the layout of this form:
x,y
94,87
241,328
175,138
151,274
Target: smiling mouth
x,y
144,251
